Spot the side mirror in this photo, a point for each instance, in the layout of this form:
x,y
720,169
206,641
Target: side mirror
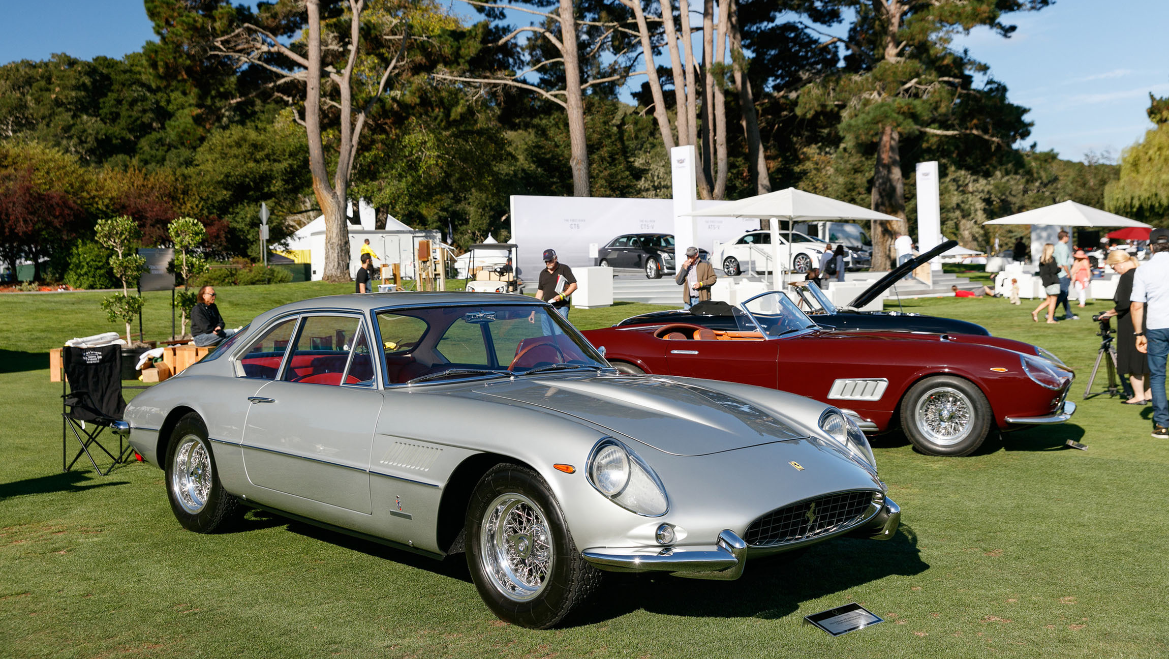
x,y
601,349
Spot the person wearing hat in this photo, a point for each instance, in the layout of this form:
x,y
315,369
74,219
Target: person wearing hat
x,y
1149,302
556,283
696,277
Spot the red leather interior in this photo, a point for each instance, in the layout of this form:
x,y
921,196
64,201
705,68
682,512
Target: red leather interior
x,y
328,378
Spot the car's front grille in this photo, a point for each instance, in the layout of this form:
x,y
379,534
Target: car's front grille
x,y
810,518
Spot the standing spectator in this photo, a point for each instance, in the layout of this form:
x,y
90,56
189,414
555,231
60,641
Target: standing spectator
x,y
1063,255
1129,360
365,275
838,262
1019,251
826,256
696,277
814,275
1015,291
556,283
903,250
366,249
207,326
1081,273
1149,301
1050,279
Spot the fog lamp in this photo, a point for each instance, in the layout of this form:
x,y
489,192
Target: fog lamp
x,y
665,534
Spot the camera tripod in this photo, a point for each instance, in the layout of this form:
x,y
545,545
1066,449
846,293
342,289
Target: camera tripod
x,y
1106,350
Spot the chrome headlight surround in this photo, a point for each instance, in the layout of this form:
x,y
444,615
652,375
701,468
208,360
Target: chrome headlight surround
x,y
845,431
1043,372
618,474
1045,354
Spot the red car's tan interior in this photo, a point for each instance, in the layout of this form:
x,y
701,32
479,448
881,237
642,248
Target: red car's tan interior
x,y
687,332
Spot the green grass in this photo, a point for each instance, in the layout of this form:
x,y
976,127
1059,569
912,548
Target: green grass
x,y
1022,550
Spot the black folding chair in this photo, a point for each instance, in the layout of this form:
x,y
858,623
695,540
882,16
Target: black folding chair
x,y
92,404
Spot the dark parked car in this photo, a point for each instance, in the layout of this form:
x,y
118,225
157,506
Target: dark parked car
x,y
653,253
824,313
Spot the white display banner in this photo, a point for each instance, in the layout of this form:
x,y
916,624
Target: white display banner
x,y
570,224
929,215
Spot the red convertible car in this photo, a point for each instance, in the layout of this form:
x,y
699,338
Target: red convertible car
x,y
945,391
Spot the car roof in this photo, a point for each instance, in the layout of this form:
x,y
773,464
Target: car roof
x,y
366,302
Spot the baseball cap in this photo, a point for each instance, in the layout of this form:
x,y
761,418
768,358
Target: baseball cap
x,y
1158,236
691,251
549,254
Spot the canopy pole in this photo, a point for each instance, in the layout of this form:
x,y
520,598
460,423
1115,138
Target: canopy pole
x,y
774,238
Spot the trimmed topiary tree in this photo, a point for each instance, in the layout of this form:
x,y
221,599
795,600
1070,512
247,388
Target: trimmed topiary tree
x,y
187,233
120,234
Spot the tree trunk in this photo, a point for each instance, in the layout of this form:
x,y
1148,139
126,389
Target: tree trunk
x,y
887,198
676,69
757,163
652,74
692,94
720,106
708,130
579,152
336,231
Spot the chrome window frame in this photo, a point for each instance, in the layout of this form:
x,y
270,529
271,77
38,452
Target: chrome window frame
x,y
760,328
242,350
303,316
524,302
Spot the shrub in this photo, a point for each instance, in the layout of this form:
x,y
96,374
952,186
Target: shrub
x,y
89,266
262,275
215,277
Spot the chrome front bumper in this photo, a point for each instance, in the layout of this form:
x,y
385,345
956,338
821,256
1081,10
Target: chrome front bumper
x,y
1065,414
725,560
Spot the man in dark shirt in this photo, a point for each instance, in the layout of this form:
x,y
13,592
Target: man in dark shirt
x,y
207,326
556,283
365,275
1019,251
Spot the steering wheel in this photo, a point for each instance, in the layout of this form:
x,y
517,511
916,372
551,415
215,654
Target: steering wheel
x,y
525,351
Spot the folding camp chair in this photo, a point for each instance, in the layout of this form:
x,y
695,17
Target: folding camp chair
x,y
93,403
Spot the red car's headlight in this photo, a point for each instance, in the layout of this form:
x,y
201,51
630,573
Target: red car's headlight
x,y
1042,372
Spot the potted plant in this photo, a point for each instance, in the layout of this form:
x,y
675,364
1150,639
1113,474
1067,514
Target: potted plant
x,y
120,234
186,233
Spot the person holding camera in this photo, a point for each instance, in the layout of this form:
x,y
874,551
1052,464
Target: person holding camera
x,y
1129,360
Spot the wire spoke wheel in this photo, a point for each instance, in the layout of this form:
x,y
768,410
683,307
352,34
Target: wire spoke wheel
x,y
191,474
517,549
945,416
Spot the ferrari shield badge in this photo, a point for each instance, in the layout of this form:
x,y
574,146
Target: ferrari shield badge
x,y
796,465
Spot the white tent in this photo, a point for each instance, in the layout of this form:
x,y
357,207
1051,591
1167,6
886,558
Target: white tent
x,y
792,205
1068,214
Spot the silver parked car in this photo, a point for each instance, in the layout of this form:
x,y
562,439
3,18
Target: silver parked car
x,y
486,424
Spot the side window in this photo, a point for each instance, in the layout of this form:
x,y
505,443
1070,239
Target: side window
x,y
745,240
322,349
635,242
361,362
623,241
463,344
763,239
262,358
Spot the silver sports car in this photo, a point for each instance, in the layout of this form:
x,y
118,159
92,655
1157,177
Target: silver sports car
x,y
486,424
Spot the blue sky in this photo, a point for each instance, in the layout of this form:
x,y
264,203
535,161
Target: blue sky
x,y
1083,67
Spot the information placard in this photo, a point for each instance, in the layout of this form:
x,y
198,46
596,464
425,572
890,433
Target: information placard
x,y
843,619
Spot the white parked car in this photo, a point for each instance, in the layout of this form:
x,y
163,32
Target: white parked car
x,y
754,248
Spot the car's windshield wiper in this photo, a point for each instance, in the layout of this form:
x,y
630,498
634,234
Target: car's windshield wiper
x,y
561,367
456,371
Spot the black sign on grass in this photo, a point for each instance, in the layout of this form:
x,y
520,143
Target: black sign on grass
x,y
843,619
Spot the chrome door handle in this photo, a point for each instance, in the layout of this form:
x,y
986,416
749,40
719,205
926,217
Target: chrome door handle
x,y
260,399
684,352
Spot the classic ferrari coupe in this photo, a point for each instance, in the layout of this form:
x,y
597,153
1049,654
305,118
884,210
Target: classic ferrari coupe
x,y
946,391
486,424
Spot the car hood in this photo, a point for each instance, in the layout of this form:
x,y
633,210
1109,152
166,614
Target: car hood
x,y
895,275
675,417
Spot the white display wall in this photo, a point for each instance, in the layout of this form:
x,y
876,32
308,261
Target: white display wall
x,y
570,224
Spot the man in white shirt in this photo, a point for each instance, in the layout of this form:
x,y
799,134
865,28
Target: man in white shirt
x,y
827,256
1063,255
1151,299
903,250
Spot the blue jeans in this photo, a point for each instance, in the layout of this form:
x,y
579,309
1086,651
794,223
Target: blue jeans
x,y
1065,282
1156,351
211,338
687,305
564,311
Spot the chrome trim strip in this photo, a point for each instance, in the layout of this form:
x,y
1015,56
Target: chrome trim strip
x,y
402,515
408,480
725,560
302,457
684,352
1069,409
144,428
223,441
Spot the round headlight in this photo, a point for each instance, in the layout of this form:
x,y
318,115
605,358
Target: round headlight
x,y
611,470
835,424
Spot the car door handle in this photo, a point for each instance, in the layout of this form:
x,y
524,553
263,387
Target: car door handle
x,y
260,399
684,352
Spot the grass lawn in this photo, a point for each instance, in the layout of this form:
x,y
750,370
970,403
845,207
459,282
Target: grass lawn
x,y
1025,549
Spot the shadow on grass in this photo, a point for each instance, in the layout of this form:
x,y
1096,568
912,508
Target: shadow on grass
x,y
1036,438
14,361
72,481
770,588
454,566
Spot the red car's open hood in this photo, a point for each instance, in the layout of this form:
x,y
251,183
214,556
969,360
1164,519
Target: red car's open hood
x,y
671,416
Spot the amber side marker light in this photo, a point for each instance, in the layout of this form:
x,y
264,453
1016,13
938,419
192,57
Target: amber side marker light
x,y
568,469
1000,370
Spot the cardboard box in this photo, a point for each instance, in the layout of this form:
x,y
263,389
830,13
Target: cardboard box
x,y
149,375
164,371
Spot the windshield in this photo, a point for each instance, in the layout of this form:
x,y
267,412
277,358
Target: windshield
x,y
850,234
422,344
812,300
777,315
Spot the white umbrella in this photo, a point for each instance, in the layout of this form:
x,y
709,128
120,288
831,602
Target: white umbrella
x,y
1068,214
792,205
